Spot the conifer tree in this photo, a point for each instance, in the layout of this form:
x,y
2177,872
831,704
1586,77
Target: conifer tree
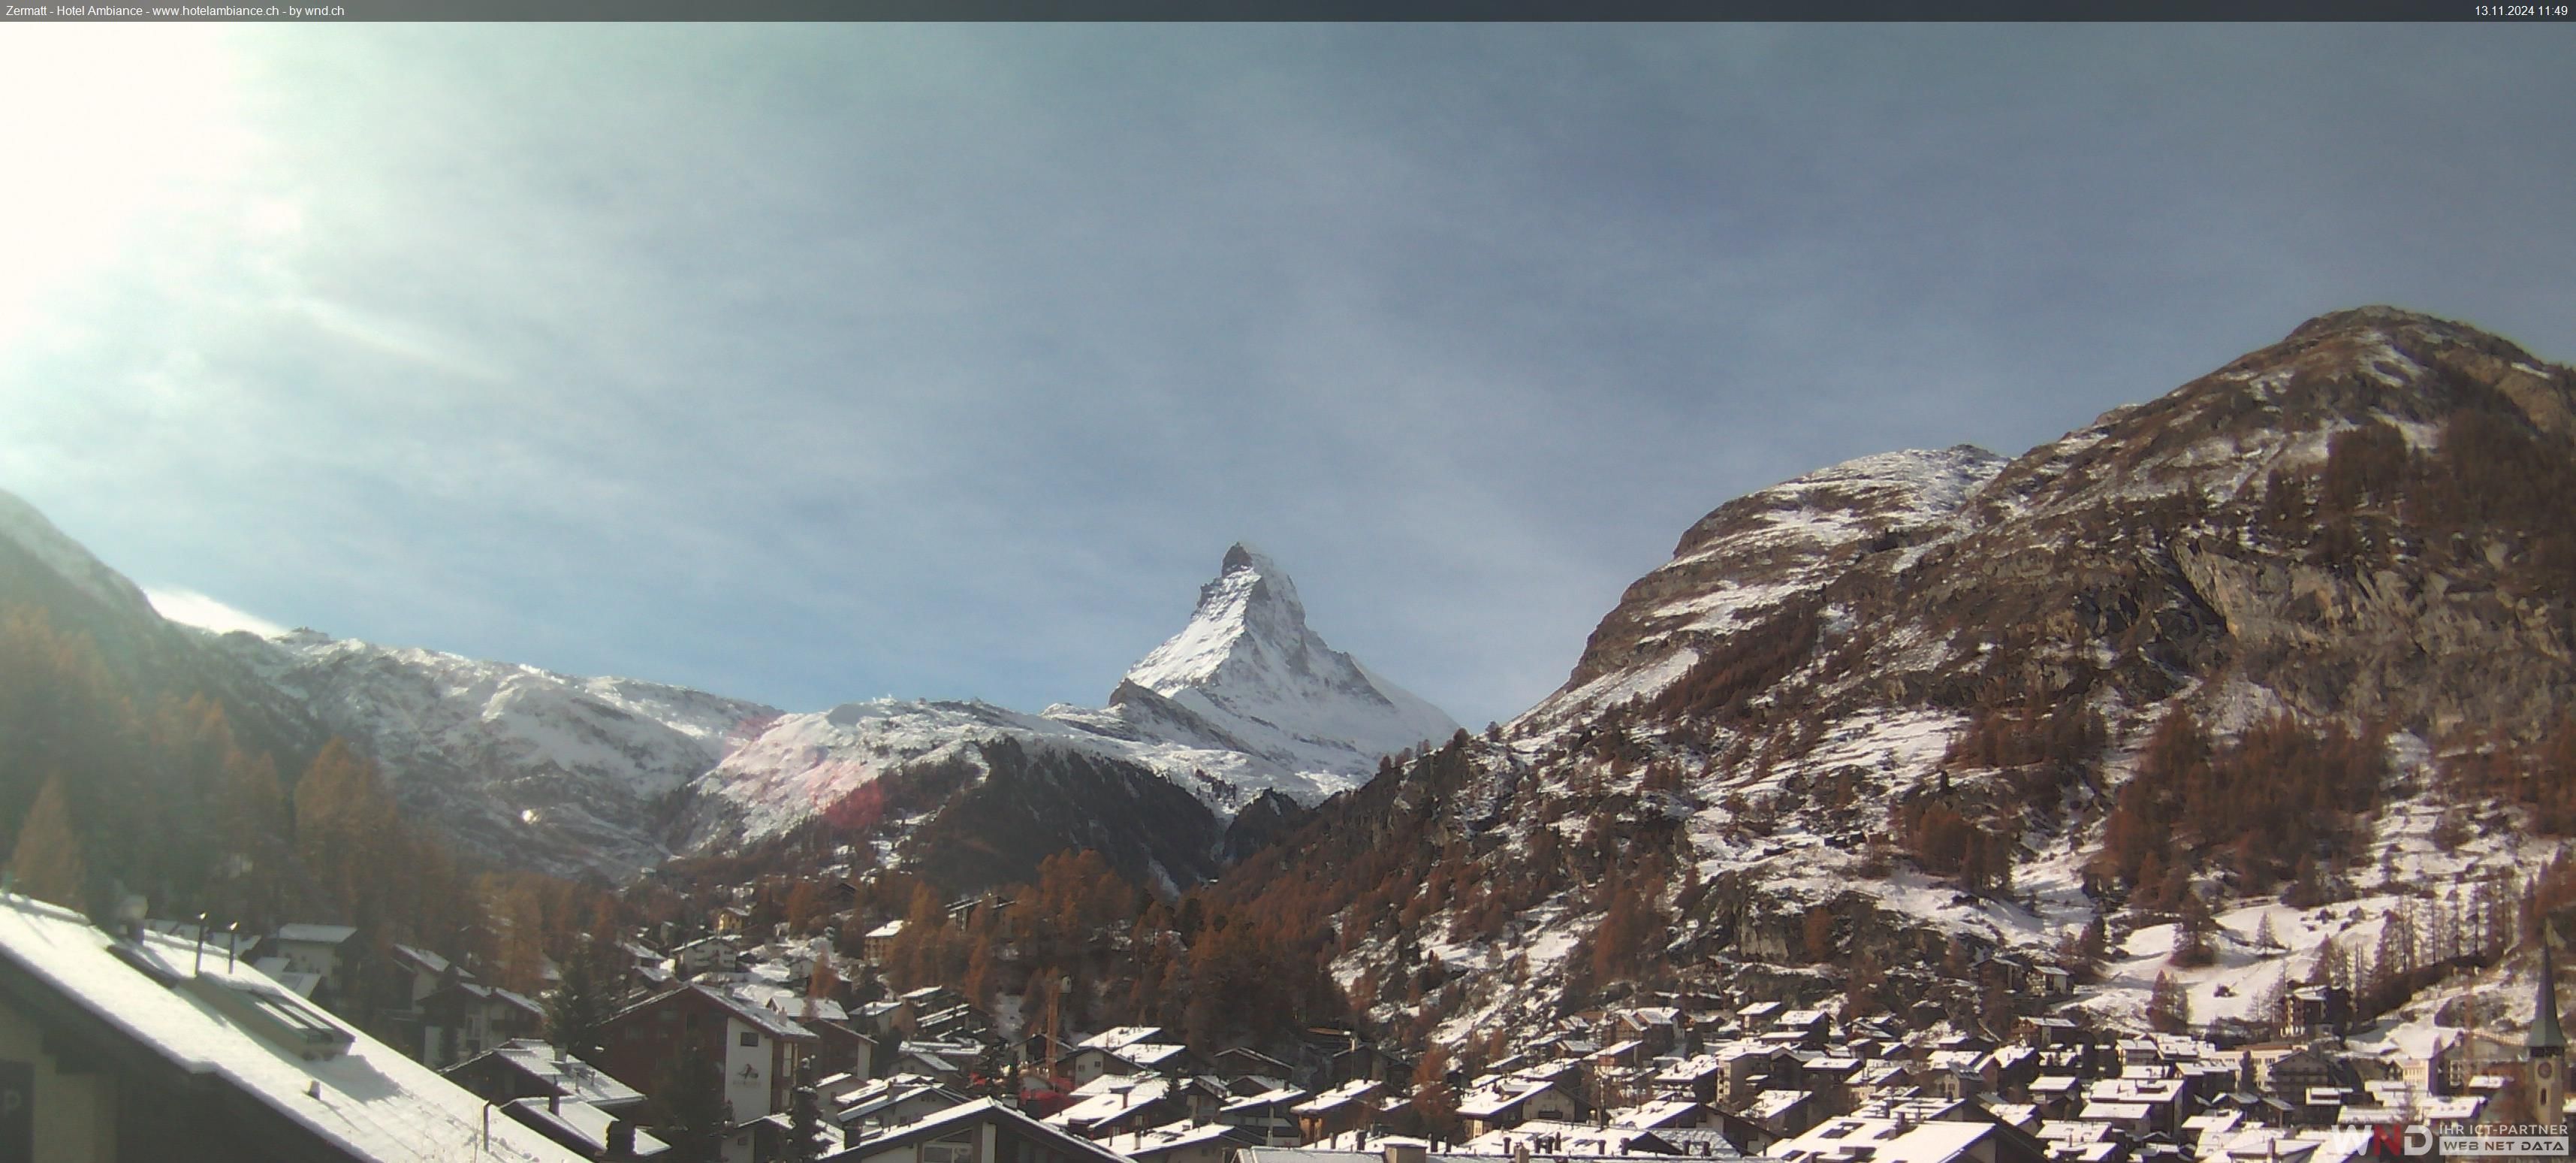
x,y
47,860
582,1001
2169,1006
2192,932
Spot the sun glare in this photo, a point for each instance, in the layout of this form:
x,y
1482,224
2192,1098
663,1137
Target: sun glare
x,y
111,128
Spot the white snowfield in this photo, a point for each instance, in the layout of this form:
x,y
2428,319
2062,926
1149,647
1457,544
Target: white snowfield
x,y
1245,699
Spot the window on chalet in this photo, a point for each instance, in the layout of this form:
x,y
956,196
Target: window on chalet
x,y
750,1037
959,1149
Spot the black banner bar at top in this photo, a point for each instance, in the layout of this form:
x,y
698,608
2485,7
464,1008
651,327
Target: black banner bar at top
x,y
2025,11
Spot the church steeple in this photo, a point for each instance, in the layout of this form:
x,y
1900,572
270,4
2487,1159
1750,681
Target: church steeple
x,y
2545,1048
2546,1037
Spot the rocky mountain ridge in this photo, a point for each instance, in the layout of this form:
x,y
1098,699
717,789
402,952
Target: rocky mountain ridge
x,y
1919,707
612,777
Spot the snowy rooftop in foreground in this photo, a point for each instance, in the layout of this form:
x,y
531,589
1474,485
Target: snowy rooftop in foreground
x,y
369,1101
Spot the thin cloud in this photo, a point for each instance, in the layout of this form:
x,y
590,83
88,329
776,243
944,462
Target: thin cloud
x,y
190,608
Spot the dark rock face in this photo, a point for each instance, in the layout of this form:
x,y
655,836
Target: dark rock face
x,y
1269,818
1031,803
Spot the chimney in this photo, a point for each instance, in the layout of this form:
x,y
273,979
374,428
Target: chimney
x,y
621,1140
1407,1153
554,1104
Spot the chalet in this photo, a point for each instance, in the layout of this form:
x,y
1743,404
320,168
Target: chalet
x,y
982,1131
719,953
422,972
1340,1055
890,1102
1659,1027
760,1050
1346,1107
1508,1103
1270,1118
1109,1052
1117,1105
936,1062
1242,1062
2290,1076
316,949
882,1019
462,1019
140,1046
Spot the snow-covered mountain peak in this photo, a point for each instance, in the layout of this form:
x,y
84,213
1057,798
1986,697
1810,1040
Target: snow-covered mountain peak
x,y
1248,667
1248,616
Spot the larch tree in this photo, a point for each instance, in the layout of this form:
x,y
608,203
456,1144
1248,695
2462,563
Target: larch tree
x,y
47,861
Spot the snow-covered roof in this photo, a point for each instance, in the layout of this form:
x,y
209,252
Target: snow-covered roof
x,y
277,968
1887,1140
1337,1096
426,960
771,1022
316,934
1656,1113
1172,1137
1487,1101
579,1119
987,1110
1121,1037
369,1101
1109,1104
1151,1054
1270,1098
1771,1103
568,1076
1548,1137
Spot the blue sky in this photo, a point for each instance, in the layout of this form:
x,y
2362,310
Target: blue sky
x,y
810,364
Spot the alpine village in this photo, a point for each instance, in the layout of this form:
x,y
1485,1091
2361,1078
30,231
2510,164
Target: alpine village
x,y
2195,787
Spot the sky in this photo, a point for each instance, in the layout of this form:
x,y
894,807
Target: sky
x,y
809,364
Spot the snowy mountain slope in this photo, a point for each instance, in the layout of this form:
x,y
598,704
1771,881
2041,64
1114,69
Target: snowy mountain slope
x,y
602,775
28,530
1754,553
526,766
1245,700
150,657
1886,712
